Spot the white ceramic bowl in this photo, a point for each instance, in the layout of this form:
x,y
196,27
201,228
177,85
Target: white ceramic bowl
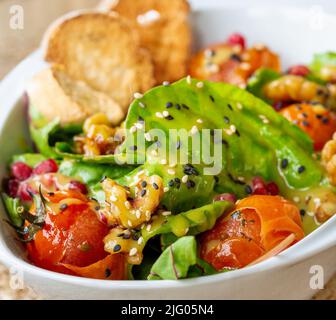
x,y
288,31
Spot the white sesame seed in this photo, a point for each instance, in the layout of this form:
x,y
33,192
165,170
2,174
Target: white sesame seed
x,y
165,113
113,198
148,137
166,83
296,199
139,125
188,79
127,205
259,46
129,222
266,121
166,189
208,53
142,105
185,179
317,201
245,66
159,115
166,213
163,161
138,214
140,240
138,95
133,129
213,68
311,213
148,215
194,130
172,165
171,172
199,121
237,49
154,153
133,252
228,131
239,106
233,128
200,84
149,227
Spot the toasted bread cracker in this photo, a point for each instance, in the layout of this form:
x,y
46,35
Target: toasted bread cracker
x,y
55,95
164,30
103,51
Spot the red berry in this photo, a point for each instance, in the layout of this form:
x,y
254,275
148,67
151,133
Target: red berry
x,y
226,197
46,166
299,70
76,185
21,171
24,192
258,186
12,188
272,189
236,39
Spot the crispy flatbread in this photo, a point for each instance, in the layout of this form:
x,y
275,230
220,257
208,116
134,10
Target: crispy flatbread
x,y
102,50
55,95
164,30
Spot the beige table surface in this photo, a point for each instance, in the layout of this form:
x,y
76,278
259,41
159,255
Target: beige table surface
x,y
14,46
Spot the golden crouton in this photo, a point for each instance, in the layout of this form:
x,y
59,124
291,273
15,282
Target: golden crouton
x,y
55,95
164,30
102,50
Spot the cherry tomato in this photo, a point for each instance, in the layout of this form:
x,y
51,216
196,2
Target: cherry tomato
x,y
318,122
72,235
255,226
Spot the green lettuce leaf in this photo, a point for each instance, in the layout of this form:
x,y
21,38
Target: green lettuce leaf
x,y
321,60
31,159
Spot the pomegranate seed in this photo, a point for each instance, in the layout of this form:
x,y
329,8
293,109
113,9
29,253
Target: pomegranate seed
x,y
76,185
23,192
46,166
21,171
272,189
226,197
258,186
299,70
12,188
236,39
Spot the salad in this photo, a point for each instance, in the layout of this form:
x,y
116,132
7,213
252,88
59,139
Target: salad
x,y
221,169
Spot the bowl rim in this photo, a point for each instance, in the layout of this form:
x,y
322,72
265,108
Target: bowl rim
x,y
318,241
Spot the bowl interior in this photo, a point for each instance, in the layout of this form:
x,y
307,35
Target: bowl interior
x,y
289,32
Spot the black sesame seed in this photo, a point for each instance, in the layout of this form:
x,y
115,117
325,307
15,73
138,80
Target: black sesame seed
x,y
133,148
235,57
135,237
298,107
248,189
237,133
230,107
185,106
301,169
117,248
63,206
302,212
169,117
155,186
177,180
169,105
216,179
319,116
171,183
178,145
97,208
141,119
144,184
305,115
284,163
226,119
305,123
212,132
158,144
107,272
143,192
120,235
51,194
225,143
325,120
320,92
190,184
126,236
177,106
212,98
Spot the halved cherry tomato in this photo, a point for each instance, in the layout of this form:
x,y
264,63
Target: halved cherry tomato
x,y
318,122
230,63
255,226
72,236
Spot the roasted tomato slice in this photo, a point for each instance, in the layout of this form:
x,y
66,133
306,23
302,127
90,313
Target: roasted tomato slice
x,y
255,226
318,122
72,237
